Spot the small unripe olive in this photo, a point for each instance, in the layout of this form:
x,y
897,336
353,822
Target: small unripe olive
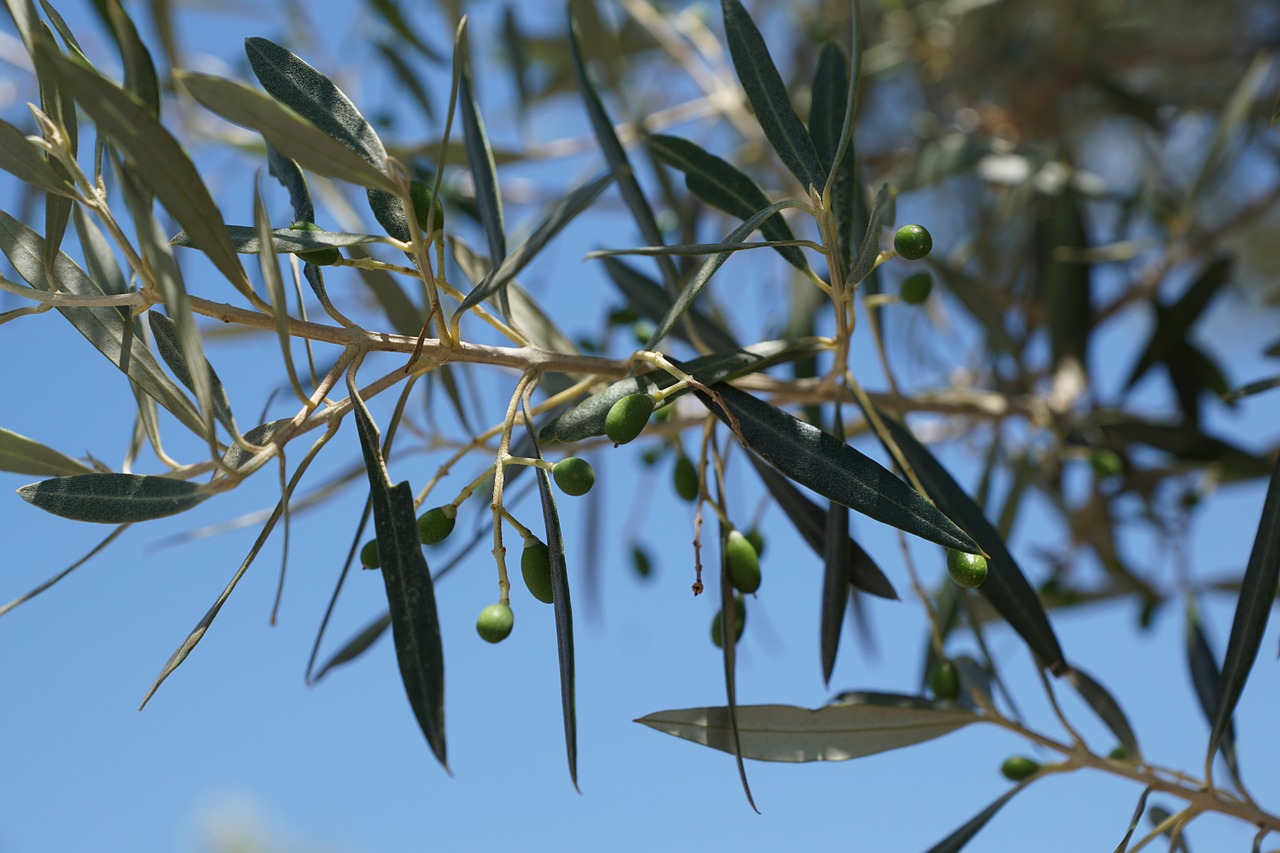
x,y
740,622
968,570
495,622
915,288
369,555
944,681
436,524
627,418
423,201
574,476
319,257
1019,767
1105,463
1118,753
913,242
642,330
685,477
640,561
756,538
743,563
535,565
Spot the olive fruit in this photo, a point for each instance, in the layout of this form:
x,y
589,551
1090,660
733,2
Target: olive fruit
x,y
369,555
915,288
423,202
756,538
944,681
640,561
743,563
535,565
574,476
1118,753
1106,463
968,570
740,622
319,257
913,242
1019,767
685,477
436,524
627,417
495,622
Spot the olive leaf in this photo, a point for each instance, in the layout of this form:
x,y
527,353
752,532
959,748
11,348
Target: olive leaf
x,y
1107,709
22,159
651,300
962,836
729,651
832,468
1207,680
284,240
139,71
1173,323
855,725
835,573
832,97
170,349
1066,282
356,646
113,498
23,455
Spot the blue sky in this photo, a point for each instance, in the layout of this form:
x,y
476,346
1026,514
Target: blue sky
x,y
236,743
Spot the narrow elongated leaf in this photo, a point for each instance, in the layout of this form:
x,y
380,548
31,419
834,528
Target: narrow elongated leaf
x,y
722,185
729,650
1107,709
1133,822
831,98
113,498
23,455
1257,595
709,267
139,70
560,602
560,215
651,300
962,836
857,724
170,350
484,172
613,151
809,520
32,593
1006,587
105,328
1067,283
160,162
835,574
1187,443
768,96
357,645
869,249
410,594
26,162
261,435
284,240
1174,323
586,419
1207,680
832,468
290,176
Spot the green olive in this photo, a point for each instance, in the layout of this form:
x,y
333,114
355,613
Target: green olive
x,y
535,565
1106,463
968,570
944,681
1019,767
495,622
369,555
627,418
913,242
574,476
915,288
743,563
435,525
756,538
740,622
1118,753
685,477
319,257
640,561
424,201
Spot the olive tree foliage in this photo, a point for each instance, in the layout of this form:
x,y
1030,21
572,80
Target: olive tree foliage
x,y
793,148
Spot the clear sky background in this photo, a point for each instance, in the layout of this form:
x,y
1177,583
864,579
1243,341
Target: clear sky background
x,y
234,745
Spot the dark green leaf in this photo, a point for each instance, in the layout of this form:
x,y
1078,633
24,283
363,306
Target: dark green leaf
x,y
1107,709
649,299
260,435
560,602
139,70
729,651
292,136
722,185
357,645
768,96
1006,587
113,498
586,419
26,162
1257,595
1133,822
1207,680
290,176
1186,443
810,522
408,79
159,161
105,328
410,594
869,250
835,573
831,97
560,215
483,170
23,455
614,154
832,468
283,240
857,724
170,350
962,836
1067,282
1173,324
390,12
709,267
